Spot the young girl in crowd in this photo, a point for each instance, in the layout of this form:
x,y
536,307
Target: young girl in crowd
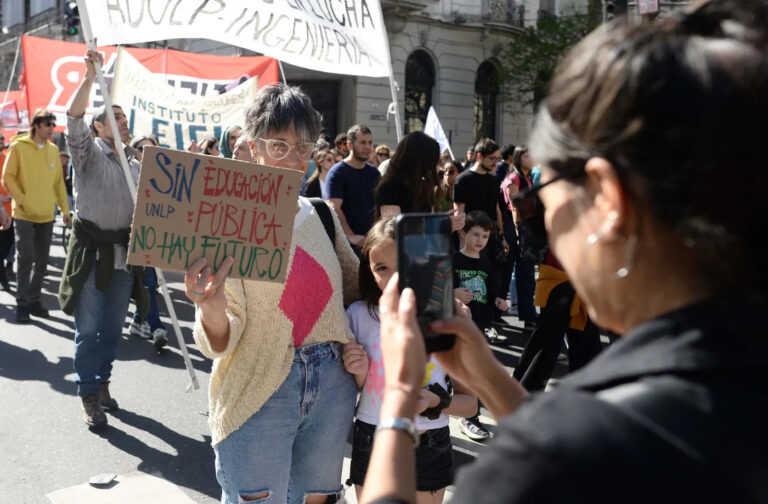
x,y
434,456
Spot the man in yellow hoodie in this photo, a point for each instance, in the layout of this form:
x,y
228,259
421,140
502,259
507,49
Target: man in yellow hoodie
x,y
32,174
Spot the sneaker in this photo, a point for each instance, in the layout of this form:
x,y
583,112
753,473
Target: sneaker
x,y
105,399
493,336
159,338
22,315
474,430
93,413
140,329
37,310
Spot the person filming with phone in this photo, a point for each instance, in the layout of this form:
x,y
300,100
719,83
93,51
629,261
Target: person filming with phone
x,y
639,121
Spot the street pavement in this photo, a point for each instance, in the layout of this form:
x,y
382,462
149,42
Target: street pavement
x,y
157,444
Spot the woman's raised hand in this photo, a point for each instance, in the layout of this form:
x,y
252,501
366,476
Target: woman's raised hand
x,y
204,287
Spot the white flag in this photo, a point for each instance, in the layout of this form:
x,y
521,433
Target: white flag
x,y
338,37
434,129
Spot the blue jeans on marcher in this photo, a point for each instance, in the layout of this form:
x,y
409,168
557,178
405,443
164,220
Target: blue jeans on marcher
x,y
99,318
153,315
294,444
510,235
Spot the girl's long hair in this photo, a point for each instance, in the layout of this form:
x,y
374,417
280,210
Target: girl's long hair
x,y
517,164
415,163
382,233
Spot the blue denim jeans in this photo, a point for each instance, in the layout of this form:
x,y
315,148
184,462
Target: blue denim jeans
x,y
99,318
153,315
294,445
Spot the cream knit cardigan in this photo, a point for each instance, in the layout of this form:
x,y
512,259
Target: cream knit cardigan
x,y
267,321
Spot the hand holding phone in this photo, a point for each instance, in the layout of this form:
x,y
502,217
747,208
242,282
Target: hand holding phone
x,y
425,265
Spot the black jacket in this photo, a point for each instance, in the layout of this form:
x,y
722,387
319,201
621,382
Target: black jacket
x,y
675,411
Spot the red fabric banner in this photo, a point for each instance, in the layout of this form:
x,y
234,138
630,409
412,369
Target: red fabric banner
x,y
53,70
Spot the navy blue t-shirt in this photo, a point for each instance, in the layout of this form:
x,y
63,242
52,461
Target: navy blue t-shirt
x,y
355,188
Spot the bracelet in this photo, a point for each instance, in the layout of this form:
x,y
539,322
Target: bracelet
x,y
401,424
445,401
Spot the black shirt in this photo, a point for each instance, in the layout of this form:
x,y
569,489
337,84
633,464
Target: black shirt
x,y
675,411
501,172
477,192
394,191
354,186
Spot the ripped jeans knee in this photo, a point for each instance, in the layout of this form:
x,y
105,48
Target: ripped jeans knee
x,y
255,495
327,497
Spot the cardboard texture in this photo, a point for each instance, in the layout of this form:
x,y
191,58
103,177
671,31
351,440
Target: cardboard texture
x,y
191,206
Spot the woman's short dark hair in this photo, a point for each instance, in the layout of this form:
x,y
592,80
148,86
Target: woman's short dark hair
x,y
278,107
415,163
673,105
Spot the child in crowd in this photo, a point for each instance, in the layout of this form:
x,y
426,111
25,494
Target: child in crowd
x,y
434,456
470,276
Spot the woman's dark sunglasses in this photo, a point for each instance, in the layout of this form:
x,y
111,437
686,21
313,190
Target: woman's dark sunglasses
x,y
530,209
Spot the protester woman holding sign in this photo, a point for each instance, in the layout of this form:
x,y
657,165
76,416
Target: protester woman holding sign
x,y
281,403
639,121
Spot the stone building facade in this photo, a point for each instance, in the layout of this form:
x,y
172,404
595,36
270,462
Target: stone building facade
x,y
445,54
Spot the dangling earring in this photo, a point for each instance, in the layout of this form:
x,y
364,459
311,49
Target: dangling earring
x,y
630,247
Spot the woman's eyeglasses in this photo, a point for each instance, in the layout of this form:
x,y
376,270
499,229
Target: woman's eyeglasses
x,y
530,209
278,149
383,154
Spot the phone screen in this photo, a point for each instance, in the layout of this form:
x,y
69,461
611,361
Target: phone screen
x,y
425,265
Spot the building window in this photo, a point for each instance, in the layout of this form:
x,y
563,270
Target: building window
x,y
38,6
486,97
419,83
12,12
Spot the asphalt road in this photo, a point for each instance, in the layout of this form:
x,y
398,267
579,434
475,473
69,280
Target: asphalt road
x,y
158,443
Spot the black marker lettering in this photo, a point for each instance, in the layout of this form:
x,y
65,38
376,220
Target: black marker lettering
x,y
222,5
114,5
149,11
173,14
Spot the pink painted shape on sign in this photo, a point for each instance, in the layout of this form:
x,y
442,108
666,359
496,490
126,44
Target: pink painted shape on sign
x,y
306,294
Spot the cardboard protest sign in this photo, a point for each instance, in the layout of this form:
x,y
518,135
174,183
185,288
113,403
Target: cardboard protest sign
x,y
346,37
191,206
175,117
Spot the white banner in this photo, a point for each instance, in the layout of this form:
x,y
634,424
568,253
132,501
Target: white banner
x,y
336,36
434,129
175,116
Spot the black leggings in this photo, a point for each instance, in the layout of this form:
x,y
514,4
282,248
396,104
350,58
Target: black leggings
x,y
540,354
6,242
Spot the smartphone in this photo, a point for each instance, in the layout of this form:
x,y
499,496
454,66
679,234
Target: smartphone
x,y
424,264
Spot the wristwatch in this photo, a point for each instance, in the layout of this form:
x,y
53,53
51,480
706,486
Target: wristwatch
x,y
402,424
